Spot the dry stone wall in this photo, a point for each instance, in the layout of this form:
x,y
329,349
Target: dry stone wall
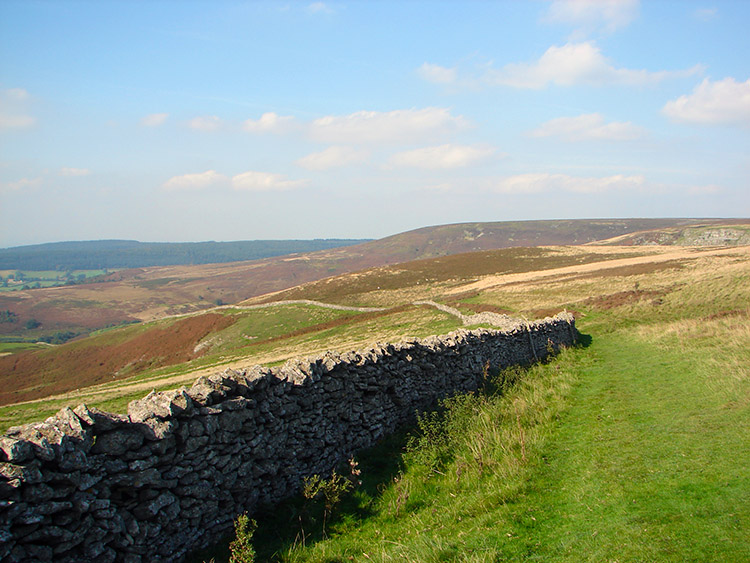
x,y
171,475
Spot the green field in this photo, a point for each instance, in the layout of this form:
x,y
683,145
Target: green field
x,y
15,347
13,280
630,447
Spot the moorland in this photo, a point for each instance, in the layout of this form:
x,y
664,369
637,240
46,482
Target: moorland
x,y
629,447
121,283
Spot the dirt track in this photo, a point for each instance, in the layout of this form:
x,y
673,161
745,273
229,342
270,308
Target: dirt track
x,y
664,256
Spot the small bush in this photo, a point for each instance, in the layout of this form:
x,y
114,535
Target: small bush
x,y
241,549
330,490
8,316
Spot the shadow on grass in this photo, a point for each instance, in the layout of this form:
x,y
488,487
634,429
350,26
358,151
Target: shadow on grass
x,y
299,521
584,340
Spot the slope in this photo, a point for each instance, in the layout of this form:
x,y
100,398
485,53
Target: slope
x,y
146,294
624,449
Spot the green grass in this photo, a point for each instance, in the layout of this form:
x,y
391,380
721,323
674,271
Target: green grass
x,y
272,322
622,451
47,278
632,448
644,466
15,347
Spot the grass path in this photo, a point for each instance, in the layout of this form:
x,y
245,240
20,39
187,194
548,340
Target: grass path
x,y
649,464
644,458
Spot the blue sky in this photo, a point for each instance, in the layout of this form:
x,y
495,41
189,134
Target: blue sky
x,y
189,121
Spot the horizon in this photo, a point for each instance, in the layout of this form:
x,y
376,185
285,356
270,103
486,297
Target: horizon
x,y
237,121
374,239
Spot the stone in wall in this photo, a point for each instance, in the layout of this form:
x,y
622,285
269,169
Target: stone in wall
x,y
172,474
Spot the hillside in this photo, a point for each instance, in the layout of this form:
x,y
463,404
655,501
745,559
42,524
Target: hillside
x,y
624,448
116,254
263,329
143,294
734,233
443,240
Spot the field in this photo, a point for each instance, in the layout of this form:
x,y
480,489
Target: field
x,y
14,280
629,447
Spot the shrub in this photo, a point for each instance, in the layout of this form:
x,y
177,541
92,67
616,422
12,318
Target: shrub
x,y
8,316
241,549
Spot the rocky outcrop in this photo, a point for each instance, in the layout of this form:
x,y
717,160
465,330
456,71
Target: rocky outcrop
x,y
172,474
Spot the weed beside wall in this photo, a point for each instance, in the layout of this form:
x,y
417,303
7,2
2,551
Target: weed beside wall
x,y
172,475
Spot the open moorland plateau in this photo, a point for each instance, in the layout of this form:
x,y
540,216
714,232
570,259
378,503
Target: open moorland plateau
x,y
630,446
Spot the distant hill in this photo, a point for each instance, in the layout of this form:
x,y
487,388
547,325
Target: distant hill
x,y
109,254
429,242
734,233
139,294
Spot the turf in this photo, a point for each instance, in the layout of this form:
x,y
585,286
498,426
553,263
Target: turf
x,y
620,451
631,447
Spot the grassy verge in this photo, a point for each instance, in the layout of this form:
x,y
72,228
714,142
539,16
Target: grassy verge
x,y
644,466
442,491
631,449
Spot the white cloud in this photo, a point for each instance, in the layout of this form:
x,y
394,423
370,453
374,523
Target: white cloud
x,y
12,111
574,64
588,15
588,127
250,181
264,182
21,184
555,184
437,74
319,8
194,182
154,119
705,14
723,102
539,183
332,157
205,123
16,94
443,156
74,172
16,121
399,126
708,189
269,122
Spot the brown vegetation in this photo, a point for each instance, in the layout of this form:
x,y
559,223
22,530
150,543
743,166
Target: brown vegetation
x,y
31,375
624,298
